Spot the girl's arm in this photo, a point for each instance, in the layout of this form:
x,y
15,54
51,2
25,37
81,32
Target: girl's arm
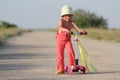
x,y
76,28
61,28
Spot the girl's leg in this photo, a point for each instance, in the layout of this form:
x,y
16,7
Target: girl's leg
x,y
60,55
71,55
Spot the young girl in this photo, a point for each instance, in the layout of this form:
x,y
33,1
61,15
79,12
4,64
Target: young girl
x,y
63,39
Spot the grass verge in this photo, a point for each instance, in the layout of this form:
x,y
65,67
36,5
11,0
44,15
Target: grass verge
x,y
6,33
104,34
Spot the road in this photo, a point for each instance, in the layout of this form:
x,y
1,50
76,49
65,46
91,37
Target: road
x,y
32,56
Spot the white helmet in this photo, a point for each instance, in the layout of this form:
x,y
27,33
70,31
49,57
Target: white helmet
x,y
66,10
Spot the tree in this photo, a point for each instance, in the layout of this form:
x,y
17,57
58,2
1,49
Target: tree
x,y
5,24
87,19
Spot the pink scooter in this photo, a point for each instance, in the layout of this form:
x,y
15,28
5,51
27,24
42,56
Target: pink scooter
x,y
77,68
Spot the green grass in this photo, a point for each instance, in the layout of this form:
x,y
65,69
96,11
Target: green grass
x,y
104,34
6,33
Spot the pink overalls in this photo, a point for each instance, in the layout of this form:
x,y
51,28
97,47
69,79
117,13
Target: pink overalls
x,y
63,40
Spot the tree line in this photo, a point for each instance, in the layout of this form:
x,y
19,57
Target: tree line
x,y
87,19
5,24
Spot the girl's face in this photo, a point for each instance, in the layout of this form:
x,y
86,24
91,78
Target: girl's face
x,y
67,18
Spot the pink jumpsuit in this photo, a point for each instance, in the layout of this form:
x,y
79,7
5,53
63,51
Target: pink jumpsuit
x,y
63,40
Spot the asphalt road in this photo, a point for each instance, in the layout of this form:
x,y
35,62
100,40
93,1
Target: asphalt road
x,y
32,56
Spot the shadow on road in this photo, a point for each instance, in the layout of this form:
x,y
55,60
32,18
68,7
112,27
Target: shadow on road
x,y
20,55
6,67
106,72
25,46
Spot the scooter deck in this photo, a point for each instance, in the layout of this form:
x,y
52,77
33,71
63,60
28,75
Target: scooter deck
x,y
77,68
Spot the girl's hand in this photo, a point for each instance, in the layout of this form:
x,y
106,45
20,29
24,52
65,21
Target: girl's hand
x,y
68,32
83,32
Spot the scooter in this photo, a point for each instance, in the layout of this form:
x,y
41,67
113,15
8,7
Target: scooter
x,y
77,68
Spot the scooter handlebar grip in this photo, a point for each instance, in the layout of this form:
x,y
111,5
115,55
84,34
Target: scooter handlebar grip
x,y
83,33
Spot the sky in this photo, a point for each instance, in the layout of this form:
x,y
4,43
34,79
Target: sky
x,y
43,14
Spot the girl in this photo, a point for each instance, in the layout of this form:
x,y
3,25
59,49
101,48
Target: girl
x,y
63,38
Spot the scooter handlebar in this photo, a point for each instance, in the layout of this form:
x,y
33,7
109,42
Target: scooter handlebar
x,y
83,33
80,33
